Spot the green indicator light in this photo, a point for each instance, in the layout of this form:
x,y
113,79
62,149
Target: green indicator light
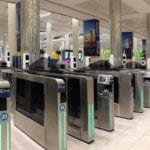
x,y
8,135
93,119
65,131
91,125
62,130
0,137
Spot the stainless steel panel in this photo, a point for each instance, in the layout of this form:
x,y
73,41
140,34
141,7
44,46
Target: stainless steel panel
x,y
52,124
124,108
87,110
116,109
139,92
83,128
105,113
31,128
52,135
147,94
125,96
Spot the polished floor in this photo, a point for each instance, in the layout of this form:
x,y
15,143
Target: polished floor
x,y
128,135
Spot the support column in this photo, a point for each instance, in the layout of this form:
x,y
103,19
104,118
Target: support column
x,y
12,40
49,37
75,27
30,28
135,49
148,37
5,42
67,41
116,39
62,45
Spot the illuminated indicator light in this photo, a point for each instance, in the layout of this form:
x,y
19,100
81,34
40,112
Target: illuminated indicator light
x,y
65,142
62,126
60,130
93,119
0,137
8,135
90,120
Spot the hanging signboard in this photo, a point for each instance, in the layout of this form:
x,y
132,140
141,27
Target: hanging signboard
x,y
127,44
91,38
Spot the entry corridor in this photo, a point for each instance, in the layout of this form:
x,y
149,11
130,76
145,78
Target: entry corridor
x,y
128,135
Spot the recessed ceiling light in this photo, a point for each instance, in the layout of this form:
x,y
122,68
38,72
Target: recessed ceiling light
x,y
45,14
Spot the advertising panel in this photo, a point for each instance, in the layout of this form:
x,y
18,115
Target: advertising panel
x,y
144,47
91,38
18,19
127,44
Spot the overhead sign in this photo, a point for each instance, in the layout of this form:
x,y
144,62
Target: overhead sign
x,y
91,38
127,44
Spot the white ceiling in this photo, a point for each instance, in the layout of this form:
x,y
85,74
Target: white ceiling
x,y
133,11
133,14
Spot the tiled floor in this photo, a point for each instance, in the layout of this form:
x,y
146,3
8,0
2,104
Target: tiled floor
x,y
128,135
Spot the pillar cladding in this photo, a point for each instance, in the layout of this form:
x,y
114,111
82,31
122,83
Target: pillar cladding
x,y
116,38
5,42
12,41
75,27
49,37
67,41
30,28
148,36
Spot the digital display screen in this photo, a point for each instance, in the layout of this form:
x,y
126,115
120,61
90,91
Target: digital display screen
x,y
91,38
71,55
102,79
66,55
80,56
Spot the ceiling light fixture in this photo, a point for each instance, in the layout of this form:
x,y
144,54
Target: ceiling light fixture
x,y
45,14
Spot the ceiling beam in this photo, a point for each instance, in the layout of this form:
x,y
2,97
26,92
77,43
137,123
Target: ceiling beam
x,y
10,1
139,5
133,16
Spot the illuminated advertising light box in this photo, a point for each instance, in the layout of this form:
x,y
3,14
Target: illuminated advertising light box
x,y
144,44
127,44
18,19
91,38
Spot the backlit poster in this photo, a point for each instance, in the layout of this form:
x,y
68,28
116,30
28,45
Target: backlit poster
x,y
127,44
144,47
18,19
91,38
